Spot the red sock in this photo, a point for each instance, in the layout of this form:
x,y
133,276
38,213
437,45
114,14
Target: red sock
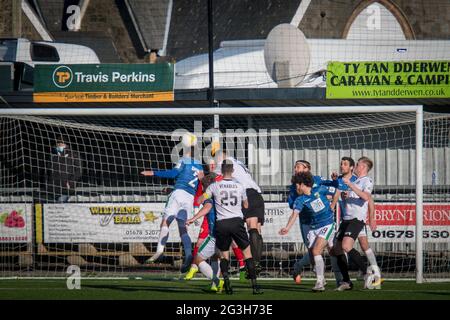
x,y
239,256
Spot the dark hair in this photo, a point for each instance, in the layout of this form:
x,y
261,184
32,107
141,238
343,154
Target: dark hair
x,y
206,169
61,139
293,179
227,167
306,178
367,161
208,180
304,162
350,160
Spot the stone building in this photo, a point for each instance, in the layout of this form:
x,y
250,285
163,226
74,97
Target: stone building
x,y
126,30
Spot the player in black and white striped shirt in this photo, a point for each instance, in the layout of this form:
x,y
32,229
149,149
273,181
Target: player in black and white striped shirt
x,y
229,198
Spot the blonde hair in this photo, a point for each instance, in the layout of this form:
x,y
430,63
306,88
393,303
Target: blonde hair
x,y
367,161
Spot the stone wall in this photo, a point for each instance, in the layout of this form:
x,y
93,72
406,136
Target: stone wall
x,y
104,16
428,19
6,28
234,20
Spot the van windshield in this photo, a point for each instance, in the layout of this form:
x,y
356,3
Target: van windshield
x,y
8,50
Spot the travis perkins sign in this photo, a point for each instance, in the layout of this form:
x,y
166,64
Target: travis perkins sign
x,y
103,83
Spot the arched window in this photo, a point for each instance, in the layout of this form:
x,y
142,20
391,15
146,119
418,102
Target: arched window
x,y
378,20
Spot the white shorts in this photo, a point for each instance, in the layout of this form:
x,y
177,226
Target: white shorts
x,y
327,232
180,204
208,248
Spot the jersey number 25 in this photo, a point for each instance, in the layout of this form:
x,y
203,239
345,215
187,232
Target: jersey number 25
x,y
228,195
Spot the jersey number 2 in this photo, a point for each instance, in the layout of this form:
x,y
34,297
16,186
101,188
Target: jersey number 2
x,y
195,174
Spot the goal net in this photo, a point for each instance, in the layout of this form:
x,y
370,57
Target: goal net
x,y
90,207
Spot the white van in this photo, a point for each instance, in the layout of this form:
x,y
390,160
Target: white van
x,y
44,52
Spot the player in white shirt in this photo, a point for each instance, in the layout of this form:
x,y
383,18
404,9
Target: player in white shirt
x,y
254,214
355,202
347,166
229,198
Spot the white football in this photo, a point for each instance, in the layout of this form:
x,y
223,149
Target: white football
x,y
189,140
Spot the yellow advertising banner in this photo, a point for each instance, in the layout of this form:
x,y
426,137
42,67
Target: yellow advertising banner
x,y
393,79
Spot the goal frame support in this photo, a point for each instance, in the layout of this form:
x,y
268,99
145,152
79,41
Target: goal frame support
x,y
418,109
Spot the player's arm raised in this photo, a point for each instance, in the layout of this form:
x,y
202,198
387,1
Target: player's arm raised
x,y
362,194
170,174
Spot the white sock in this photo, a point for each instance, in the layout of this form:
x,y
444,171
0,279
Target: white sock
x,y
319,267
163,235
206,269
371,257
194,266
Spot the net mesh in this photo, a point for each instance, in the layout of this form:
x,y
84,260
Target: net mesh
x,y
92,208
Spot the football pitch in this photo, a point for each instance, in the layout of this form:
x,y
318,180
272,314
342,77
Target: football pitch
x,y
174,289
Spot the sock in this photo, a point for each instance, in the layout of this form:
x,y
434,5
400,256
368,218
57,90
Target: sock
x,y
319,267
343,266
336,270
260,247
224,263
254,244
250,264
251,270
163,236
300,264
185,239
358,259
215,267
206,270
239,256
371,257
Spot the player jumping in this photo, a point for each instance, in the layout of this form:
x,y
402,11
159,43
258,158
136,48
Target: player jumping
x,y
186,173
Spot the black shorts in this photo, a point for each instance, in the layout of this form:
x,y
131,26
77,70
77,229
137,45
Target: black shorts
x,y
350,228
255,206
231,229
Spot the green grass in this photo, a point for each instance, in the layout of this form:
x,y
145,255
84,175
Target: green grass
x,y
172,289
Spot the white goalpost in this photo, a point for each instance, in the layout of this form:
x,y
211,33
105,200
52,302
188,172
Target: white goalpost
x,y
323,133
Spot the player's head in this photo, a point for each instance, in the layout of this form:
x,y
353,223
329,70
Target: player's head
x,y
347,165
208,180
304,182
211,166
363,166
227,168
60,145
302,166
